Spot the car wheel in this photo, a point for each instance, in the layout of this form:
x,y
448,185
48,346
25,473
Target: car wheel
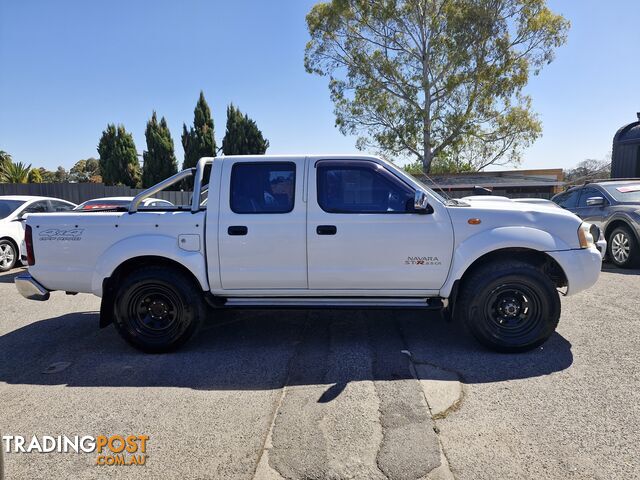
x,y
8,255
623,248
157,309
509,306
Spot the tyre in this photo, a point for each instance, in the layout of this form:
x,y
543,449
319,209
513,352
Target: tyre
x,y
509,306
623,248
157,309
8,255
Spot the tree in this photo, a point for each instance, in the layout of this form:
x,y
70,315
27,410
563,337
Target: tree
x,y
60,175
159,158
15,173
589,169
423,79
242,137
84,170
199,140
5,158
35,176
46,175
118,157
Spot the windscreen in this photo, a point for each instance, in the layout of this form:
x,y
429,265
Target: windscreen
x,y
7,207
625,192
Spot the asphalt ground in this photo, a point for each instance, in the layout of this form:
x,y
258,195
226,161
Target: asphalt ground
x,y
327,394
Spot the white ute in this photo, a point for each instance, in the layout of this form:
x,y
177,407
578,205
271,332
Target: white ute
x,y
308,231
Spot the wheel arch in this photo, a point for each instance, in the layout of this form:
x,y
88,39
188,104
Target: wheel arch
x,y
16,247
619,222
147,260
13,242
121,271
542,260
530,243
157,249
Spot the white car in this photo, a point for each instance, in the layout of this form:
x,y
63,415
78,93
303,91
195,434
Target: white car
x,y
314,231
108,203
13,209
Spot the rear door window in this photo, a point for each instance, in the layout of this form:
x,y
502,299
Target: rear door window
x,y
262,187
569,199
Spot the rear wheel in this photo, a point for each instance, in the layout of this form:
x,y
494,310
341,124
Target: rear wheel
x,y
8,255
509,307
623,248
157,309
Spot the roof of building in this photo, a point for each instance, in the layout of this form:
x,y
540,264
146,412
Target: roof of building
x,y
502,179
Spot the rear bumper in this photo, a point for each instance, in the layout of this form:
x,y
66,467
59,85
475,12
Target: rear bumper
x,y
30,289
582,267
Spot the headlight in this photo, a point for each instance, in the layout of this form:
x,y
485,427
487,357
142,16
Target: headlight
x,y
585,236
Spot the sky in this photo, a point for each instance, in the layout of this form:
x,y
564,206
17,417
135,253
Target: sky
x,y
69,67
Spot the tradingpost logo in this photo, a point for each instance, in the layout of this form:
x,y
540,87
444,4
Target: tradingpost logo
x,y
110,450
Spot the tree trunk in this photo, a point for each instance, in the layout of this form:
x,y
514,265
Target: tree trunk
x,y
427,158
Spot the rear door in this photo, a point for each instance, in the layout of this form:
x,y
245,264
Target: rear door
x,y
262,225
364,235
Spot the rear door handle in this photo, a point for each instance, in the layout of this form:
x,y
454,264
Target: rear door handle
x,y
326,229
237,230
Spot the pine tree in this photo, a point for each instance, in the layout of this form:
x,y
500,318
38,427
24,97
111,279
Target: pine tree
x,y
118,157
242,137
159,158
199,140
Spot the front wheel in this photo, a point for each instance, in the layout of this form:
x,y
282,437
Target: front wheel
x,y
8,255
157,309
623,248
509,307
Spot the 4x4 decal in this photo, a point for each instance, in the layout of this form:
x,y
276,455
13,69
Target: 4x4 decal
x,y
55,234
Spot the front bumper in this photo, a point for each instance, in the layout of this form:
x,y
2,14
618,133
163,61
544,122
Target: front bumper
x,y
581,266
30,289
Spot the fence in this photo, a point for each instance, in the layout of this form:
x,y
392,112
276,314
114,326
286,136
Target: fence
x,y
81,192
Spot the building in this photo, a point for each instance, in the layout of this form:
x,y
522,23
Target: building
x,y
539,183
625,158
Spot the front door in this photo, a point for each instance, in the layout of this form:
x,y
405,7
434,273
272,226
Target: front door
x,y
594,214
262,225
363,234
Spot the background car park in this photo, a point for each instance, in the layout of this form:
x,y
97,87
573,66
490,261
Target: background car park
x,y
614,206
13,211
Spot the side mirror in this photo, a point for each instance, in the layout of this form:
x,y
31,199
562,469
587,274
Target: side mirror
x,y
595,202
421,203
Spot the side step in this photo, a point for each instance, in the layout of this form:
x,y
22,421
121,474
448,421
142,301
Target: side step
x,y
330,302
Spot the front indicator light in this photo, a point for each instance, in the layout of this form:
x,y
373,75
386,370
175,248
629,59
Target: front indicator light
x,y
585,236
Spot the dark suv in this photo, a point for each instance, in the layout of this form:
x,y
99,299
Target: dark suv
x,y
614,206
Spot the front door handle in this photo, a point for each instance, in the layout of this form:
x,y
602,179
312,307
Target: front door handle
x,y
237,230
326,229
